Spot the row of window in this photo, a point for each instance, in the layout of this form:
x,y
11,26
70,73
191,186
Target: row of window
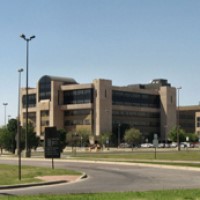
x,y
86,96
31,100
136,114
135,99
77,122
198,121
77,112
142,123
30,115
78,96
186,115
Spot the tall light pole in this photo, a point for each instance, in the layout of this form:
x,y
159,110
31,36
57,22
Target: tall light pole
x,y
119,135
27,153
9,117
5,104
18,126
177,126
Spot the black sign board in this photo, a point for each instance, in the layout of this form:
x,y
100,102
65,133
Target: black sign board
x,y
52,143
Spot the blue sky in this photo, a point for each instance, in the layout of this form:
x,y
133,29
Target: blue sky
x,y
126,41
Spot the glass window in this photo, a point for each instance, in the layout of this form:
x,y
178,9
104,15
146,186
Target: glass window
x,y
78,96
31,100
44,113
135,99
45,88
198,121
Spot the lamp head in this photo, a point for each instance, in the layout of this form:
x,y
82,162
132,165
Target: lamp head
x,y
32,37
23,36
20,70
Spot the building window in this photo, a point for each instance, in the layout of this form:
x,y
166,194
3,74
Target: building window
x,y
77,112
78,117
31,118
45,88
31,100
135,99
44,113
44,116
198,121
45,123
78,96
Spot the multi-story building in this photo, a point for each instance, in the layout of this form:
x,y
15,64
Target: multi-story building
x,y
101,107
189,118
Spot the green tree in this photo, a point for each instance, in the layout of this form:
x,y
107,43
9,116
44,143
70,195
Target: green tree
x,y
5,139
193,137
173,135
69,138
1,141
104,138
78,138
12,129
83,136
63,142
73,139
133,136
8,136
32,138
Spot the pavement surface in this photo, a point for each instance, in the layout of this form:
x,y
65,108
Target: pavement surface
x,y
107,177
58,178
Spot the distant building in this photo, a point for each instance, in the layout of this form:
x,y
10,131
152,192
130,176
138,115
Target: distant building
x,y
99,106
189,118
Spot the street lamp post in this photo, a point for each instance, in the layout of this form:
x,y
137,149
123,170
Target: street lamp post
x,y
177,126
5,104
18,126
27,98
118,135
9,117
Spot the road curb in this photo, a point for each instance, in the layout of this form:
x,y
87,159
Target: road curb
x,y
3,187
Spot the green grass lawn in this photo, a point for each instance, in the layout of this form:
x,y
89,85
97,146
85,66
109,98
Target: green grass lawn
x,y
193,155
153,195
9,174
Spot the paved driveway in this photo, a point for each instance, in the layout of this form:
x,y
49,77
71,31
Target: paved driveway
x,y
107,177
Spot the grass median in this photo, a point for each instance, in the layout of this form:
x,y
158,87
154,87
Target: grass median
x,y
193,194
9,174
128,156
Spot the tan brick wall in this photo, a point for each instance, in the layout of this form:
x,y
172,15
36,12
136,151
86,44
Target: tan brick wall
x,y
168,108
102,106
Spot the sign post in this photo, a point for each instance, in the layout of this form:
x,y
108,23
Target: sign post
x,y
52,144
155,142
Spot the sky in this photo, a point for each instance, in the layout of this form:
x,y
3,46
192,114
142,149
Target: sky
x,y
126,41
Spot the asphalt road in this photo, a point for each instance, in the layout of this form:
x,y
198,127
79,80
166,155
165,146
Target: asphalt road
x,y
106,177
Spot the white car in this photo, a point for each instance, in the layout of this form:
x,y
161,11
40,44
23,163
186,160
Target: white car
x,y
147,145
173,145
161,145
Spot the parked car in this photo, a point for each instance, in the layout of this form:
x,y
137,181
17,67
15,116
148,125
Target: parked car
x,y
124,145
167,145
186,144
183,145
161,145
173,145
147,145
196,145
